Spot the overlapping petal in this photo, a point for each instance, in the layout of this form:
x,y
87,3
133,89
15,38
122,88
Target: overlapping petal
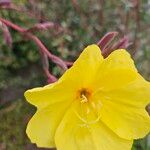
x,y
42,126
74,133
42,97
52,100
79,75
84,69
117,70
106,139
123,109
114,113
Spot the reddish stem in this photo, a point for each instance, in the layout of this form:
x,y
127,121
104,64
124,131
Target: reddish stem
x,y
22,10
50,77
68,63
12,25
53,58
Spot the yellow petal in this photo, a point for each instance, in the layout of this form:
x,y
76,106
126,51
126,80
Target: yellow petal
x,y
74,134
105,139
43,96
79,75
41,128
116,70
83,71
123,110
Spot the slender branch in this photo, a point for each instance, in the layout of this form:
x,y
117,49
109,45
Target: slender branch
x,y
45,63
38,42
53,58
6,34
68,63
12,25
30,13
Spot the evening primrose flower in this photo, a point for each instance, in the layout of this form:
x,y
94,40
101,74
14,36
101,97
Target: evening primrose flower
x,y
98,104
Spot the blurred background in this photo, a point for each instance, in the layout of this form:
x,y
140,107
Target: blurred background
x,y
74,25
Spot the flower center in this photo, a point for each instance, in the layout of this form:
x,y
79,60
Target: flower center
x,y
84,95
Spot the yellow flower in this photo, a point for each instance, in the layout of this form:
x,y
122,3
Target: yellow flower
x,y
98,104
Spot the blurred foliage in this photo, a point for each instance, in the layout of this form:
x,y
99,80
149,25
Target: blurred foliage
x,y
84,22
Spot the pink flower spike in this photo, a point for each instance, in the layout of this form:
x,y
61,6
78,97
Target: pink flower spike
x,y
105,40
123,43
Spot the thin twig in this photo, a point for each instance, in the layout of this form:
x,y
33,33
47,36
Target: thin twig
x,y
6,34
22,10
38,42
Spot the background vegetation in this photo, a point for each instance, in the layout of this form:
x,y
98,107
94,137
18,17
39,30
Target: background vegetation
x,y
83,22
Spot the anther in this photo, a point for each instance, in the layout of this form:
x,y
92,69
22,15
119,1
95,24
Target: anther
x,y
83,99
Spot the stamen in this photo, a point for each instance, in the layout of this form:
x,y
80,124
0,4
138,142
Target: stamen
x,y
86,122
84,95
83,99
